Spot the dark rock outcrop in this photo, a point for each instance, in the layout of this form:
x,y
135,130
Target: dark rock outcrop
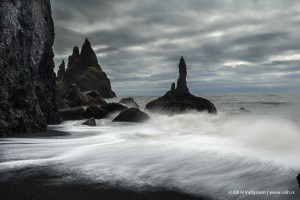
x,y
132,115
96,112
75,113
84,70
27,79
180,100
173,89
298,179
61,71
90,122
130,102
74,98
182,88
113,107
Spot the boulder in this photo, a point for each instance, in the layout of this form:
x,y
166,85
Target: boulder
x,y
132,115
129,102
90,122
96,112
113,107
75,113
179,100
74,98
84,71
27,78
93,98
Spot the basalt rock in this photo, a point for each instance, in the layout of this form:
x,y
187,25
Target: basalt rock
x,y
90,122
130,102
113,107
61,71
74,98
84,71
75,113
27,79
179,99
132,115
96,112
298,179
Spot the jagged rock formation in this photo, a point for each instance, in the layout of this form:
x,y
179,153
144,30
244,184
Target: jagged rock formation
x,y
84,70
182,88
61,71
74,98
179,99
27,80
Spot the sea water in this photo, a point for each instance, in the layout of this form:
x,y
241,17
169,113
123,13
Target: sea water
x,y
248,153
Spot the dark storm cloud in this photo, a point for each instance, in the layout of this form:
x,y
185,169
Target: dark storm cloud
x,y
229,46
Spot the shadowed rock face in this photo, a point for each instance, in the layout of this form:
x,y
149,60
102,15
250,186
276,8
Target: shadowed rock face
x,y
180,100
182,88
84,71
61,71
27,80
74,98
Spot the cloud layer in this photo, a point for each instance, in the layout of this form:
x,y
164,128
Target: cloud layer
x,y
229,45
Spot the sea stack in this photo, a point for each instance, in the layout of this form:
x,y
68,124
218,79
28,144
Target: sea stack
x,y
179,99
61,71
27,89
85,71
182,88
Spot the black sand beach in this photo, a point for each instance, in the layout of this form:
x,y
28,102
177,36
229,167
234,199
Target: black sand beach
x,y
44,183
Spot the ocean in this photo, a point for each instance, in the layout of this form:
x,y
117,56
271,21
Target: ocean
x,y
249,150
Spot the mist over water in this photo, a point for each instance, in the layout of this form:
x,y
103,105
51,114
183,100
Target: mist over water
x,y
194,152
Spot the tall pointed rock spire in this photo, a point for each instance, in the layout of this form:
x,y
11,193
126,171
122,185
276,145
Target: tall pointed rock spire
x,y
88,56
181,82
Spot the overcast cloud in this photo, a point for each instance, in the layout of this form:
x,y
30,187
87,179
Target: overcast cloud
x,y
228,45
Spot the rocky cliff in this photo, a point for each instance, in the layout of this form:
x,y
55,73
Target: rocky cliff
x,y
84,71
27,80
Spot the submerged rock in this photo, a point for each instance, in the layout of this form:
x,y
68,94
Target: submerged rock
x,y
130,102
96,112
27,79
113,107
132,115
90,122
75,113
179,99
84,71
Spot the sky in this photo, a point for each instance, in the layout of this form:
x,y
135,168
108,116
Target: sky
x,y
230,46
